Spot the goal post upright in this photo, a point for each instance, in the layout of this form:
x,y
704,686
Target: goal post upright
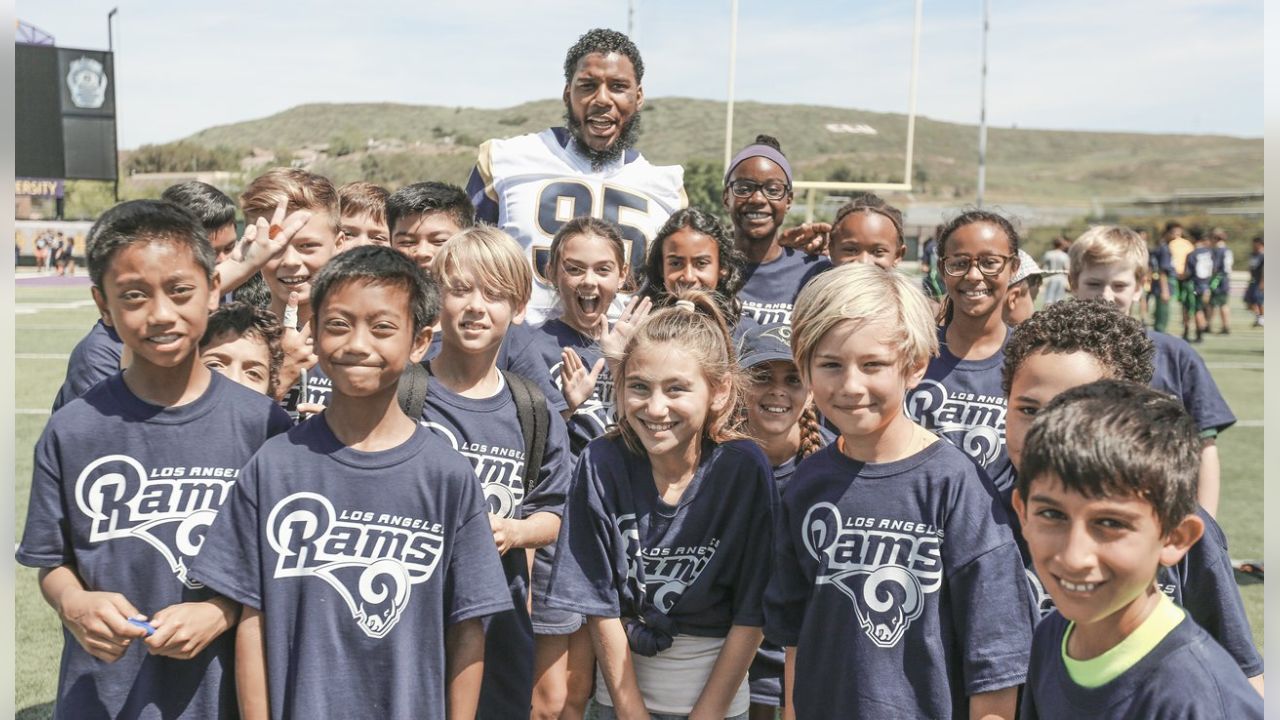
x,y
812,186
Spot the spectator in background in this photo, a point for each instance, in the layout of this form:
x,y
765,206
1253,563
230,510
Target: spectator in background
x,y
1253,293
1055,264
1220,287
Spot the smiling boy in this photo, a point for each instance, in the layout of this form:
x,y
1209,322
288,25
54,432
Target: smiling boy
x,y
1109,262
1106,495
128,476
358,542
474,406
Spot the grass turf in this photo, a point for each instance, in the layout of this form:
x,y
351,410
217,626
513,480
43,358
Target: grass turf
x,y
46,336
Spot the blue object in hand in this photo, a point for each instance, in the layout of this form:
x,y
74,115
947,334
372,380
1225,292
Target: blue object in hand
x,y
144,625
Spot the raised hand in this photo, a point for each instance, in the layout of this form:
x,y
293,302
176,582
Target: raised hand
x,y
576,381
809,237
257,246
614,340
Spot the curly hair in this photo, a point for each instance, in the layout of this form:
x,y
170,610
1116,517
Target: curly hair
x,y
1096,327
969,217
732,262
240,318
603,41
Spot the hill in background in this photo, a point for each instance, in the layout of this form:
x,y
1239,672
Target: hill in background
x,y
395,144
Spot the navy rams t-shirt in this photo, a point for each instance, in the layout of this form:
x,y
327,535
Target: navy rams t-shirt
x,y
595,415
1204,584
1185,676
896,583
486,432
703,562
1181,371
766,669
359,562
95,358
964,402
771,288
124,491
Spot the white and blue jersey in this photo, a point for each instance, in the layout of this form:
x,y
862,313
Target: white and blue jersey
x,y
123,491
533,184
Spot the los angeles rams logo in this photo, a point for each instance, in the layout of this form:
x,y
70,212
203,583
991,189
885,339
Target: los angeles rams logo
x,y
170,509
973,423
373,566
886,574
663,573
501,476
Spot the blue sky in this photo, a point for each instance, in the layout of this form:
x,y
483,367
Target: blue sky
x,y
1192,66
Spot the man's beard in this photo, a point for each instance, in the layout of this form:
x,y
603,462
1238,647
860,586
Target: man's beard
x,y
599,158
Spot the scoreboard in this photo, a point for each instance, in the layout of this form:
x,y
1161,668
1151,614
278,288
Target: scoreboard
x,y
65,113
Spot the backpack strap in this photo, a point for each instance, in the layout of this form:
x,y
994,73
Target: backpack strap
x,y
535,423
411,392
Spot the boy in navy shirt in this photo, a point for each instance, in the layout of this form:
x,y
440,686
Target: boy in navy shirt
x,y
358,542
121,495
1109,262
487,282
1074,343
1105,499
896,586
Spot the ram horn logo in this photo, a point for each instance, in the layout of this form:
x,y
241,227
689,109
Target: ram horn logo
x,y
382,591
169,514
983,443
887,600
87,83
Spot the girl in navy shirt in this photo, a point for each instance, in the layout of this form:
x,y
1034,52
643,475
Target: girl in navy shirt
x,y
666,534
779,414
587,267
961,397
757,196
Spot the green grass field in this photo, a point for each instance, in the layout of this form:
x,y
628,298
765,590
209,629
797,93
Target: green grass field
x,y
51,320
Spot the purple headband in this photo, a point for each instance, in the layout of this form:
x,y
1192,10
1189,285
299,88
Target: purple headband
x,y
763,151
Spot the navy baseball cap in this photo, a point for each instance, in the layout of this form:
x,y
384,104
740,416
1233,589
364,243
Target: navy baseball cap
x,y
765,343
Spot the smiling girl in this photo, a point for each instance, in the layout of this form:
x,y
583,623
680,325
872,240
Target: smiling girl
x,y
692,251
960,396
669,574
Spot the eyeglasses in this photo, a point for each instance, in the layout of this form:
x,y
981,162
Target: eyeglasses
x,y
747,188
959,265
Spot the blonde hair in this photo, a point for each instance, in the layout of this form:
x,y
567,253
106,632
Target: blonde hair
x,y
694,323
363,198
863,294
492,258
302,190
1107,245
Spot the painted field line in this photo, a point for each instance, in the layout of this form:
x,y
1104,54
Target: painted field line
x,y
1235,365
43,356
1248,424
32,411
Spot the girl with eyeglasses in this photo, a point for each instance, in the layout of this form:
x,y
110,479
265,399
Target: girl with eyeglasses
x,y
757,196
961,396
